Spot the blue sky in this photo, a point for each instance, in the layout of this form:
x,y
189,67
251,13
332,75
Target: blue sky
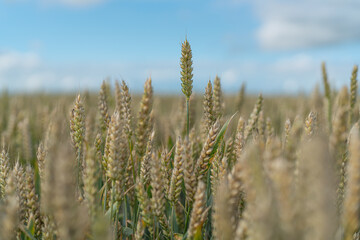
x,y
275,46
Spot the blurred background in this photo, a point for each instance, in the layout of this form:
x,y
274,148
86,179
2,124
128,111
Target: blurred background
x,y
275,46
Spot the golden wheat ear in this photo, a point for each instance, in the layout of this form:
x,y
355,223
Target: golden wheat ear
x,y
218,98
144,124
198,212
353,94
351,209
186,69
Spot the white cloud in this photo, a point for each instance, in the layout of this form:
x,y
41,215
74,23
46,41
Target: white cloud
x,y
293,24
11,60
229,77
295,64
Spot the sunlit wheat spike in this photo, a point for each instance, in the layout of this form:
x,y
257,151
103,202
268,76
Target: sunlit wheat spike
x,y
140,228
196,145
48,229
316,191
33,204
311,123
157,183
351,212
40,156
124,155
9,219
236,199
199,208
130,178
117,147
125,109
338,139
251,125
272,151
287,129
218,98
204,160
214,171
280,171
104,117
117,96
21,191
241,230
222,213
4,172
144,121
90,123
180,215
328,98
260,209
269,130
230,153
98,151
145,167
90,180
166,169
77,127
113,139
177,173
165,228
293,140
209,117
353,93
325,80
71,217
48,187
261,126
144,205
189,174
105,156
26,139
186,69
239,137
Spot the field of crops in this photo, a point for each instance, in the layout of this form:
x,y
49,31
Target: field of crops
x,y
195,166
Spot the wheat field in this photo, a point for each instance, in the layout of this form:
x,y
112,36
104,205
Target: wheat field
x,y
114,165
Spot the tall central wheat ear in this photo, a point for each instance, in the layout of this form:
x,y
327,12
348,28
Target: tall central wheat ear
x,y
186,69
186,78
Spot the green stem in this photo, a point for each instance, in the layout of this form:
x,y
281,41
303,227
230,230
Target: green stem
x,y
125,212
187,117
187,215
78,172
105,195
116,224
112,198
172,221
